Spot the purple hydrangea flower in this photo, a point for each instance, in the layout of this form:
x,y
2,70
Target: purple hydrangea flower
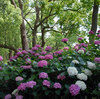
x,y
66,48
57,85
43,53
98,31
0,68
18,53
43,75
42,63
24,52
1,58
37,45
64,40
83,45
48,57
8,96
60,58
48,48
98,35
97,59
37,54
22,86
41,57
26,67
46,83
91,32
74,89
80,38
34,48
62,77
97,42
19,97
30,84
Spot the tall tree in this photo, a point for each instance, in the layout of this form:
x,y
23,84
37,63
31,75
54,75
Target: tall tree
x,y
23,29
94,20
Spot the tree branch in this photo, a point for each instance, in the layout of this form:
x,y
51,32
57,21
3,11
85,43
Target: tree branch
x,y
8,47
13,3
28,23
45,19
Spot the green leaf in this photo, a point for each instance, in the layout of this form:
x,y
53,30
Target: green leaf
x,y
57,92
81,61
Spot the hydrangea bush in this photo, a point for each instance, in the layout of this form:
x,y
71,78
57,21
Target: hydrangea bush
x,y
35,73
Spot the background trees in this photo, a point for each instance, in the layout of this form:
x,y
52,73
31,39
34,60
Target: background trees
x,y
24,23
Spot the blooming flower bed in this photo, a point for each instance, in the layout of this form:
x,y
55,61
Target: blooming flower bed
x,y
67,72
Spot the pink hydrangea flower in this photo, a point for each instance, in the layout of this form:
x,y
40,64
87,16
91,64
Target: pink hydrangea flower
x,y
43,53
24,52
48,57
66,48
64,40
62,77
57,85
83,45
0,68
42,63
19,53
76,47
91,32
37,54
20,49
48,48
97,42
58,52
98,31
46,83
98,35
43,75
80,38
74,89
34,48
22,86
1,58
8,96
97,59
60,58
19,97
41,57
37,45
19,78
26,67
30,84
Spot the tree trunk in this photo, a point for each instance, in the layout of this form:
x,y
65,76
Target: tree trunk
x,y
43,34
10,53
34,31
23,29
94,20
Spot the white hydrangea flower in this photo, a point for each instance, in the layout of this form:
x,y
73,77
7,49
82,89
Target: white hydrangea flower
x,y
91,65
81,84
75,61
82,76
72,71
81,51
87,72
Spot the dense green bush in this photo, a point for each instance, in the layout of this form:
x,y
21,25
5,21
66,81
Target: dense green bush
x,y
37,73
